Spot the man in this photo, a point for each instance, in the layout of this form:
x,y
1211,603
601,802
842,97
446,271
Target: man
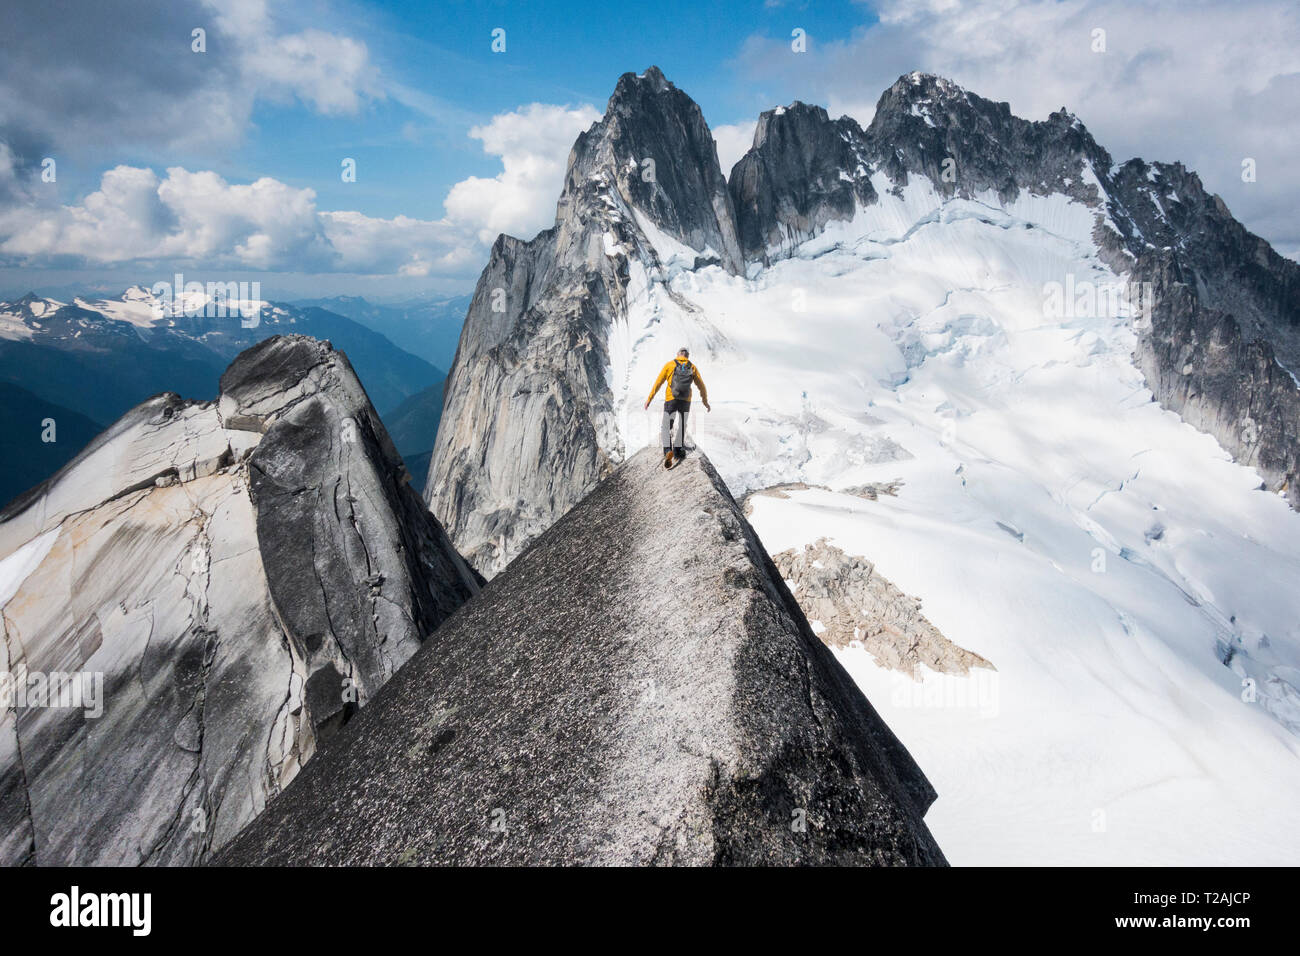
x,y
678,375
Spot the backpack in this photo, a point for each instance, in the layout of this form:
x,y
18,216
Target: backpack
x,y
680,383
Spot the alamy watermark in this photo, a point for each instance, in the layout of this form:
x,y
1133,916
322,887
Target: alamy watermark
x,y
215,300
133,911
978,691
1084,299
83,690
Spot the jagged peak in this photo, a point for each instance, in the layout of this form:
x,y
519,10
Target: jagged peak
x,y
636,95
928,95
940,103
799,113
927,85
652,80
653,151
796,108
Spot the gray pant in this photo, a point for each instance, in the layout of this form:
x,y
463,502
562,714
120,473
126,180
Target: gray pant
x,y
674,409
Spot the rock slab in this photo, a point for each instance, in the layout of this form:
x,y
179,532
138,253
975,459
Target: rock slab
x,y
241,574
639,687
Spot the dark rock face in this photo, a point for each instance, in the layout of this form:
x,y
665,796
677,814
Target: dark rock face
x,y
683,190
922,121
806,170
349,549
619,695
792,182
1220,375
527,426
1222,341
241,574
1164,206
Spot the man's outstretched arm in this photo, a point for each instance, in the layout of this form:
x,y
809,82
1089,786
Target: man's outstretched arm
x,y
663,377
704,392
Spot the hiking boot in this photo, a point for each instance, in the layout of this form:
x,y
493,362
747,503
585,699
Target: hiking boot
x,y
668,457
679,454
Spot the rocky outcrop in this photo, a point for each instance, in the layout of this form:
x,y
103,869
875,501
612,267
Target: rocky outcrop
x,y
226,582
1201,363
794,180
527,425
856,605
639,687
965,145
806,170
654,148
1220,344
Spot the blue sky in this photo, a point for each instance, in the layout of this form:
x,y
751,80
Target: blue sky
x,y
565,53
229,160
441,77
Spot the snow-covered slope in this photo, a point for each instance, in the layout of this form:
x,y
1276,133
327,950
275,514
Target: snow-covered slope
x,y
976,337
1105,556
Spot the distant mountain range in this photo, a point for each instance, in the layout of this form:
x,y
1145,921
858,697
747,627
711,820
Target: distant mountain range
x,y
84,362
429,328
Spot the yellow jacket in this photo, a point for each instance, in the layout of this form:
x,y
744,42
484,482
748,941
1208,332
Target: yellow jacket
x,y
666,378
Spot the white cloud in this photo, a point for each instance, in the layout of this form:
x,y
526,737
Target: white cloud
x,y
125,73
401,245
198,217
733,141
1207,84
533,143
331,72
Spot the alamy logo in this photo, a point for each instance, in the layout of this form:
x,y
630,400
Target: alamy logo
x,y
213,300
84,690
1083,299
75,908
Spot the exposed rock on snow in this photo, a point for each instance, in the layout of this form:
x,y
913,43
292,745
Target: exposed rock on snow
x,y
639,687
1223,334
871,491
243,573
856,604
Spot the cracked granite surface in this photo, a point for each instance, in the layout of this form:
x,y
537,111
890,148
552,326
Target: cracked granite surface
x,y
203,563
